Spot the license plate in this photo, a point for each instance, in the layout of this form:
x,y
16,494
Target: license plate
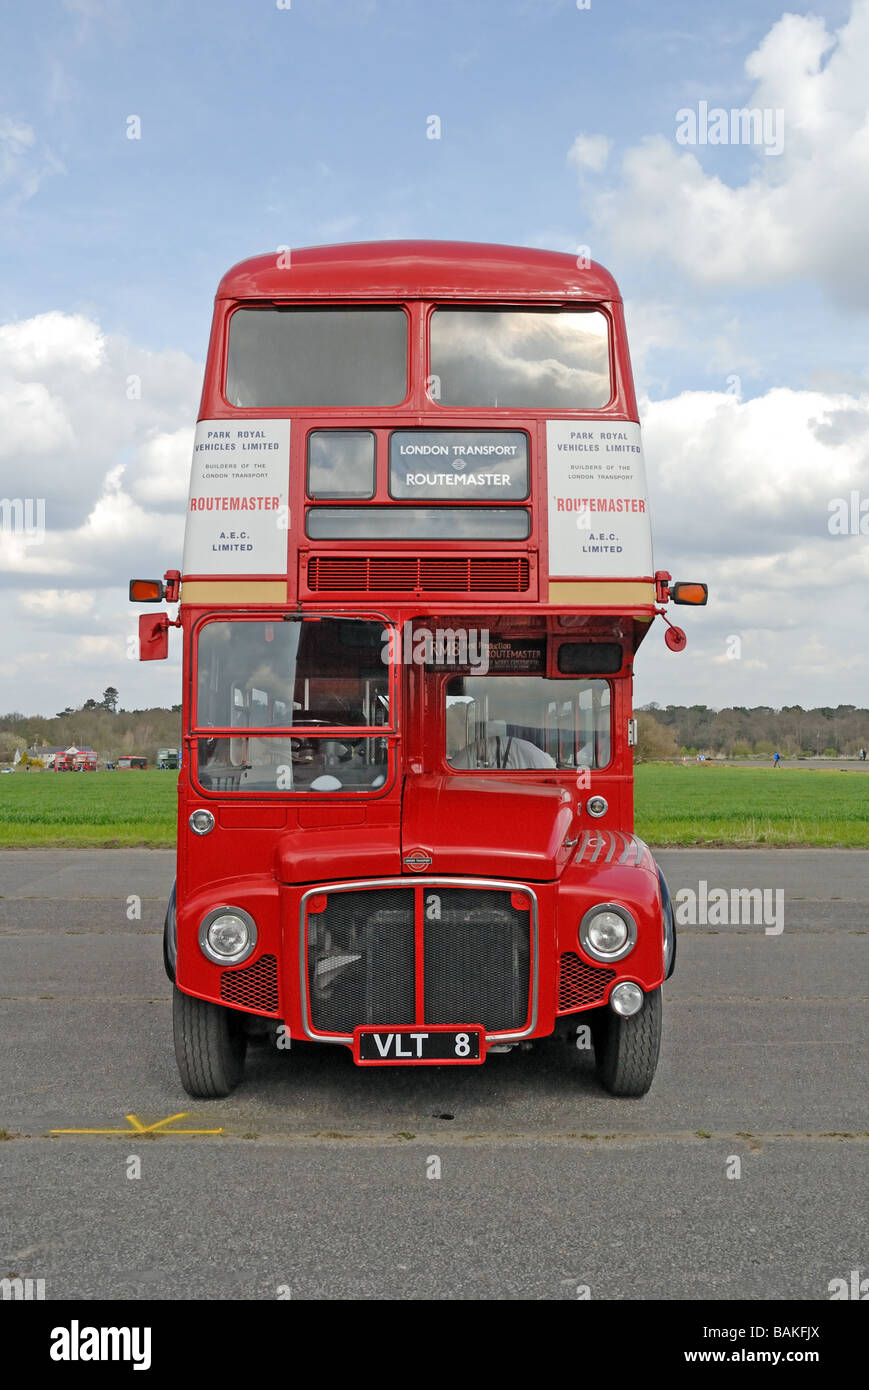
x,y
419,1045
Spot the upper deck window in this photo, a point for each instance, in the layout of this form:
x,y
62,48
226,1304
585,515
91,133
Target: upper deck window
x,y
341,463
520,359
281,358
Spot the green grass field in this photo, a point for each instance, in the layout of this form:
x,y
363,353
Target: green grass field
x,y
43,809
681,805
702,804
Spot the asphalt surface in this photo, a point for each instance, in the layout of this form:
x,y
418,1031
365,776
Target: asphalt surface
x,y
321,1180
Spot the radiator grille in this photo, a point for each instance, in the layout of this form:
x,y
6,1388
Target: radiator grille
x,y
406,574
580,984
253,987
360,960
476,959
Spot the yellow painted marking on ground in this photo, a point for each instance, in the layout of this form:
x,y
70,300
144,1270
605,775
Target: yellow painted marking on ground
x,y
136,1127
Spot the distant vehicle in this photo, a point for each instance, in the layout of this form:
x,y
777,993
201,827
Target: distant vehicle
x,y
128,762
64,762
168,759
85,762
7,769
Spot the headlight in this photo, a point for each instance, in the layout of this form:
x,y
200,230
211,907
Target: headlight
x,y
201,822
607,932
626,999
597,806
227,935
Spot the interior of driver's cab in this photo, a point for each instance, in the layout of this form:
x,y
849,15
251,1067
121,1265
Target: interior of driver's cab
x,y
517,723
312,674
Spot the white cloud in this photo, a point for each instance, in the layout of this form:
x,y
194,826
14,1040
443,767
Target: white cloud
x,y
112,465
51,340
32,421
802,214
15,138
165,467
740,498
24,163
590,152
754,478
91,646
53,603
75,402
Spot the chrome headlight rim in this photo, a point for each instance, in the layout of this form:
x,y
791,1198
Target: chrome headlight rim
x,y
627,918
597,806
618,990
217,957
201,811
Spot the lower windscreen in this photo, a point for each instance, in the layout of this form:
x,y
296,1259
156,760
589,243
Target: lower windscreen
x,y
305,764
262,679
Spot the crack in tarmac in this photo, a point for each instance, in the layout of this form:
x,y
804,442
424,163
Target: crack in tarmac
x,y
752,1138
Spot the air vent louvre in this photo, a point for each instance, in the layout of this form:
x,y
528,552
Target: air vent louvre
x,y
404,574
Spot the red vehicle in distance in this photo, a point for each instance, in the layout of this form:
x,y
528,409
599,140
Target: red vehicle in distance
x,y
417,569
127,762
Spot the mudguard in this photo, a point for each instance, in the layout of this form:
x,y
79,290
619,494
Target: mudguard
x,y
669,926
170,938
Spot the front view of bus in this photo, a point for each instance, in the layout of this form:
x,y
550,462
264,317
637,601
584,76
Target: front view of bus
x,y
417,569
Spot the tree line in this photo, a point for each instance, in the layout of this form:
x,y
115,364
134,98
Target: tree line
x,y
671,731
740,731
97,724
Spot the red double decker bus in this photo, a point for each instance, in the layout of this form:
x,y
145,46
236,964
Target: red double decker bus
x,y
417,567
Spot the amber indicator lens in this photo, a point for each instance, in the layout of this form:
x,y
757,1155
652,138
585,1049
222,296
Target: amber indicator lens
x,y
689,593
146,591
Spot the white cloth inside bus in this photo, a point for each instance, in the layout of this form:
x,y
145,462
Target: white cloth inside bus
x,y
498,750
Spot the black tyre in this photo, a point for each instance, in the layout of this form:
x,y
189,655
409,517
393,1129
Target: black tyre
x,y
626,1049
210,1045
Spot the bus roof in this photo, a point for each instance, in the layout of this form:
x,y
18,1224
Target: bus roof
x,y
418,270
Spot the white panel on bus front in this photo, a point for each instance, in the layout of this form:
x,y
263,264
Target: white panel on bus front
x,y
238,515
599,523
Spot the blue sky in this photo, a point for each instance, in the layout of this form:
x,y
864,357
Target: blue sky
x,y
263,126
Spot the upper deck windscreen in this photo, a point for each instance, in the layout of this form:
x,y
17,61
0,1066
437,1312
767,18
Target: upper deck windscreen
x,y
317,357
521,359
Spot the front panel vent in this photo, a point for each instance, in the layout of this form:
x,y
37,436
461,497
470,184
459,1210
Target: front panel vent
x,y
254,987
426,574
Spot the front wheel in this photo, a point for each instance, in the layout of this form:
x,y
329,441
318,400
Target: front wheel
x,y
210,1045
626,1049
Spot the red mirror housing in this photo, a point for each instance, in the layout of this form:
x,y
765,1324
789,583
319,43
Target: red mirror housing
x,y
153,636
